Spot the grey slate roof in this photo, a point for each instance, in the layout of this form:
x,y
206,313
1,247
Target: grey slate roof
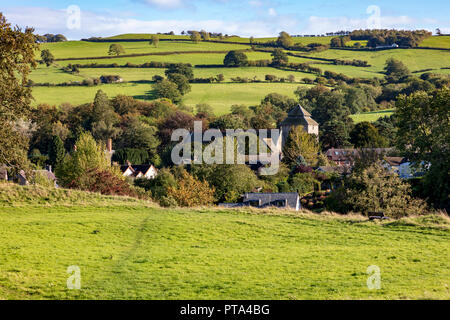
x,y
299,116
290,199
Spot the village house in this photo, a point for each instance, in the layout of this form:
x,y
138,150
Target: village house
x,y
147,171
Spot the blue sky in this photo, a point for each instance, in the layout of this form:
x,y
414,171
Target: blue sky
x,y
242,17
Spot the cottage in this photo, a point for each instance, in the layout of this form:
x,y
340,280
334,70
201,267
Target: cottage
x,y
265,200
147,171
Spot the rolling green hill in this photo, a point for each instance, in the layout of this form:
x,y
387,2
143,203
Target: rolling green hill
x,y
145,36
220,96
131,250
437,42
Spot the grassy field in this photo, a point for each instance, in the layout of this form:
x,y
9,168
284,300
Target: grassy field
x,y
414,59
80,49
132,74
132,250
303,40
437,42
371,116
220,96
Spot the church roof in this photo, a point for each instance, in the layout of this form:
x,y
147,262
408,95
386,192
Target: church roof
x,y
299,116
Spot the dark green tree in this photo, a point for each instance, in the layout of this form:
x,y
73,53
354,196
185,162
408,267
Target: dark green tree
x,y
168,90
181,81
56,151
396,71
104,119
235,59
423,121
279,58
365,135
180,68
47,57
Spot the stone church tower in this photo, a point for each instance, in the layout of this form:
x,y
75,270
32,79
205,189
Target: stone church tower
x,y
298,117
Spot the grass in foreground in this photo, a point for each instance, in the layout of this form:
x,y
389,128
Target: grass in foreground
x,y
133,251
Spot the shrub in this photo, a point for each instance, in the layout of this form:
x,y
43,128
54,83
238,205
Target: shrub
x,y
191,192
374,189
105,182
87,156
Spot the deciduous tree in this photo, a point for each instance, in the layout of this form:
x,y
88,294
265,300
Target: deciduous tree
x,y
17,58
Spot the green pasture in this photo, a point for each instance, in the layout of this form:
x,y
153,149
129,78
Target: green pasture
x,y
436,42
414,59
138,74
303,40
220,96
371,116
130,250
81,49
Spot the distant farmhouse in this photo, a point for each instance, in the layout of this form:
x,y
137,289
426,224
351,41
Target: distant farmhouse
x,y
392,46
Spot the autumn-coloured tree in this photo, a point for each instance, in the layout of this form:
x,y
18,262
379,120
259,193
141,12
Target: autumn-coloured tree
x,y
192,192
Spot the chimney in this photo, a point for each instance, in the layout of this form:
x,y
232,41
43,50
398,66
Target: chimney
x,y
109,145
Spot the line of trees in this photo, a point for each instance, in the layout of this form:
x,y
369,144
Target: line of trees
x,y
50,38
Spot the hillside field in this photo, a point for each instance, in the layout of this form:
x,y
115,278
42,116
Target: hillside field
x,y
129,249
220,96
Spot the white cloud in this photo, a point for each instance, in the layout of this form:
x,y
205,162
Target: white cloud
x,y
320,25
165,3
106,25
255,3
272,12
